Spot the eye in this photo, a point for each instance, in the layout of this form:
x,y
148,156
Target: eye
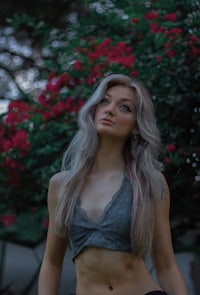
x,y
125,108
104,100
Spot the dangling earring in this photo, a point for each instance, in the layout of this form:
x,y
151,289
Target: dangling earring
x,y
135,139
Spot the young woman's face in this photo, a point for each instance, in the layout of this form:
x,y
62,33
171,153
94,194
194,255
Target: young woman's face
x,y
115,114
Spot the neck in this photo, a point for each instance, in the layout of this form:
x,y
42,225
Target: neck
x,y
109,158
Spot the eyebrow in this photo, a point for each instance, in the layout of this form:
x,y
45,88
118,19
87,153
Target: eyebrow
x,y
122,99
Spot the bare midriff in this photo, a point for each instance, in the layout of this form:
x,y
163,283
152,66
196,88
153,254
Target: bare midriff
x,y
108,272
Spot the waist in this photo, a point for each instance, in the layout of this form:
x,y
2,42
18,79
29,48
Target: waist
x,y
103,270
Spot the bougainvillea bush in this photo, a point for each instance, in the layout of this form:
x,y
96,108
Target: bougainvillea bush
x,y
156,44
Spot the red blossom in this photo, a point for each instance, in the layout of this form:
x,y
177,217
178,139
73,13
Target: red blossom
x,y
54,86
45,224
2,130
126,61
77,107
167,161
72,82
97,69
171,148
91,79
10,163
51,76
174,31
46,115
7,145
20,140
195,51
104,44
159,58
78,65
58,108
13,168
171,53
152,15
166,45
134,20
100,50
8,219
134,73
18,111
171,17
154,28
64,78
194,38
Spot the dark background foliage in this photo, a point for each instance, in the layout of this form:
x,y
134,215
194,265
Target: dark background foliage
x,y
166,57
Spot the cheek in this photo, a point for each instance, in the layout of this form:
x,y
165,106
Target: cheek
x,y
96,114
128,122
129,126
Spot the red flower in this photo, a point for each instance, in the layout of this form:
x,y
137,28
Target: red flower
x,y
194,38
8,219
167,161
159,58
10,163
171,17
174,31
14,168
152,15
134,73
51,76
171,53
154,28
134,20
7,145
2,130
171,148
45,224
18,111
78,65
64,78
46,115
195,51
20,140
91,79
54,86
58,108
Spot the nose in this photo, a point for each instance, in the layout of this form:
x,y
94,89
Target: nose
x,y
110,109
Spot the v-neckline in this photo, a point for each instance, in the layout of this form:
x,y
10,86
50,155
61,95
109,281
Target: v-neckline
x,y
106,208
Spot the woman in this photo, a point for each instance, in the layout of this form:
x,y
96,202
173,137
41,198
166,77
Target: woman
x,y
111,202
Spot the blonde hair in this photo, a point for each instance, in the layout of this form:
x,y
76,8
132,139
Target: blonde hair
x,y
140,151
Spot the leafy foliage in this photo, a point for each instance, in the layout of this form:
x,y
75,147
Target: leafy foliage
x,y
156,43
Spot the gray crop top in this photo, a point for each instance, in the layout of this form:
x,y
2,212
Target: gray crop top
x,y
111,231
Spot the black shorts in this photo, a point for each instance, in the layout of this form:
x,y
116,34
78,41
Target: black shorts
x,y
156,293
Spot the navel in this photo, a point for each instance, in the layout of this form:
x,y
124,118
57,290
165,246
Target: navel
x,y
110,287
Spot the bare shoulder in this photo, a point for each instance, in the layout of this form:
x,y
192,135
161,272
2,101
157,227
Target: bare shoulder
x,y
58,178
163,191
163,198
57,184
165,186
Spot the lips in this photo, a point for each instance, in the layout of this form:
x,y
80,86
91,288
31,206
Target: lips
x,y
107,121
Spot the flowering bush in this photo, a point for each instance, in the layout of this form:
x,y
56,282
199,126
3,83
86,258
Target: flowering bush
x,y
33,136
159,47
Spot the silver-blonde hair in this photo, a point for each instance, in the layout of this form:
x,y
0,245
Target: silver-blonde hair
x,y
140,152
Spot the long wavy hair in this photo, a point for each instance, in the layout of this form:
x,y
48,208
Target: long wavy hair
x,y
141,160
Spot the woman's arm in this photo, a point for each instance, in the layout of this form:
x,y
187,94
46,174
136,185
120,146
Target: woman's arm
x,y
51,269
165,264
